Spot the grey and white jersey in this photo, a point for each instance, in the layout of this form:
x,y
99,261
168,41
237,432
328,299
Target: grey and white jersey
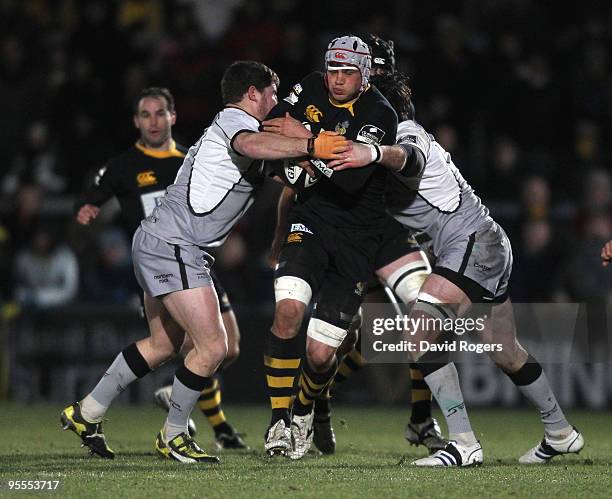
x,y
439,202
213,188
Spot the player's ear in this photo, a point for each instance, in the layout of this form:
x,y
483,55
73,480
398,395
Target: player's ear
x,y
172,118
136,124
252,93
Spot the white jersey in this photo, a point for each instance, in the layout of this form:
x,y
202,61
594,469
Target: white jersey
x,y
438,202
213,188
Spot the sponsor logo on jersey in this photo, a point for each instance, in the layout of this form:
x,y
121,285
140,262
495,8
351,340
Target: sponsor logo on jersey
x,y
370,134
408,138
292,98
163,277
300,228
341,127
379,60
100,174
295,237
313,114
297,89
322,167
147,178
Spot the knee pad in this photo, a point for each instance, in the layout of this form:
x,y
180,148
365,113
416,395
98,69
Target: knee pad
x,y
326,333
432,306
293,288
408,279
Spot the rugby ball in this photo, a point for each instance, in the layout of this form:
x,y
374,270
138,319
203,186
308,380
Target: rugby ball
x,y
295,176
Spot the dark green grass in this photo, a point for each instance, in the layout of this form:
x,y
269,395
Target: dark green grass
x,y
372,459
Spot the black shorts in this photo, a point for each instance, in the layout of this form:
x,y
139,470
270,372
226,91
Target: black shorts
x,y
397,242
337,265
224,303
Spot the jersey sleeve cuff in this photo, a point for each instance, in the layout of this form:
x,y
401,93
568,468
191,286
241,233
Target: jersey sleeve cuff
x,y
244,130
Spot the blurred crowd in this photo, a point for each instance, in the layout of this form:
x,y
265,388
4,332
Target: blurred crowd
x,y
520,93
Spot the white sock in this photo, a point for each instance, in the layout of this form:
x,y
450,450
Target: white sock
x,y
92,410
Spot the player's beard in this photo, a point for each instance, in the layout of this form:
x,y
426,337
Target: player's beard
x,y
155,143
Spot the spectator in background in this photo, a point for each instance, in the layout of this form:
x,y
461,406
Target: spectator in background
x,y
538,256
36,163
606,254
46,272
111,280
586,280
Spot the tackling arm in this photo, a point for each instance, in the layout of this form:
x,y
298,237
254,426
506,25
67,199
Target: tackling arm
x,y
270,146
402,158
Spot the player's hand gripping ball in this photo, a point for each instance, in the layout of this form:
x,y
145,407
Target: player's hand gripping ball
x,y
294,175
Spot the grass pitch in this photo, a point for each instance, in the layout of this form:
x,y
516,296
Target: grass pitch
x,y
372,459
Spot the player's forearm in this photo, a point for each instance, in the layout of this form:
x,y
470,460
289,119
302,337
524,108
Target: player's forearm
x,y
403,159
392,157
95,196
265,145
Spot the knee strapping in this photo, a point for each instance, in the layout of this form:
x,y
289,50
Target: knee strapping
x,y
408,279
293,288
432,306
325,332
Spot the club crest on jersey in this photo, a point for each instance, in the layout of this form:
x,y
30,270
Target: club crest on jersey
x,y
341,127
370,134
147,178
294,237
313,114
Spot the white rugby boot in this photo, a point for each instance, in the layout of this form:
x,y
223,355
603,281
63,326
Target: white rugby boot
x,y
550,447
301,435
453,454
278,439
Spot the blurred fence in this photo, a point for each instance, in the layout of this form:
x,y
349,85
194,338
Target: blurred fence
x,y
58,355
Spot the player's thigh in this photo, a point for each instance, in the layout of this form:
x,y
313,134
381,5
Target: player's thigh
x,y
397,249
162,268
302,263
196,310
479,263
335,309
164,330
298,275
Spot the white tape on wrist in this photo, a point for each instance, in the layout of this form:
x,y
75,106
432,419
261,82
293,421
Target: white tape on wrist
x,y
376,153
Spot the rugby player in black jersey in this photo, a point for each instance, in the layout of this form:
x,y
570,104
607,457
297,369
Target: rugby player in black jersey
x,y
333,231
138,179
401,267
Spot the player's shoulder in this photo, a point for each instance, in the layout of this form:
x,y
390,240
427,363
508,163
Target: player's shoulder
x,y
122,160
375,102
311,85
410,126
181,148
412,133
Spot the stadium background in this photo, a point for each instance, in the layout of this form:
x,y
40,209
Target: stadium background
x,y
519,92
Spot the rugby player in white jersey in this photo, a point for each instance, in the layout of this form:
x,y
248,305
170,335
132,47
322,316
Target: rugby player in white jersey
x,y
473,262
214,187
